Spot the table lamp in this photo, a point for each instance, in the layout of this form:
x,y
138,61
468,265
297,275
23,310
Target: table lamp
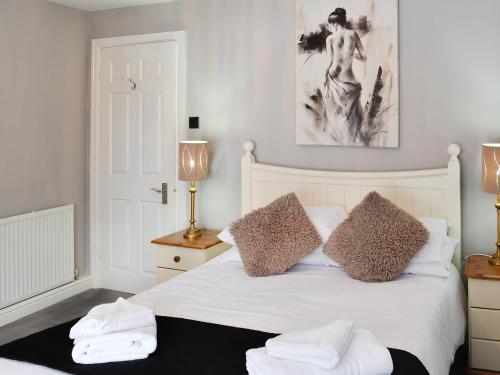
x,y
491,184
193,166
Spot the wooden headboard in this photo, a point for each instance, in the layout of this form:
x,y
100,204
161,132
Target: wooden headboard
x,y
429,192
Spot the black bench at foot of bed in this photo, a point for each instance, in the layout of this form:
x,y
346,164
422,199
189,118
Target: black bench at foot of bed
x,y
185,347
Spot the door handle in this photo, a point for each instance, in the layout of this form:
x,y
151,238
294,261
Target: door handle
x,y
163,191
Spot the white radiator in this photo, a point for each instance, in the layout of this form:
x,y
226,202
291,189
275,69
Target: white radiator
x,y
36,253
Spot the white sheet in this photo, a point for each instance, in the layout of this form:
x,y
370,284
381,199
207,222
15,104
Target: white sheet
x,y
8,367
423,315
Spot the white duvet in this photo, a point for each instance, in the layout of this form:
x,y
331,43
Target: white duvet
x,y
422,315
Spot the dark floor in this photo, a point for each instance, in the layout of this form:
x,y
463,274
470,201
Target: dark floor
x,y
80,304
61,312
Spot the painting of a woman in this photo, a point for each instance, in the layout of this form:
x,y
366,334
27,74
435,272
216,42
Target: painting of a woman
x,y
342,89
347,74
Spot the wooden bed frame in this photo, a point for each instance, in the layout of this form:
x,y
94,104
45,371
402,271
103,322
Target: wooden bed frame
x,y
429,192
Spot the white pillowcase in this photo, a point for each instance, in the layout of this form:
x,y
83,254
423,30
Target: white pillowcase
x,y
226,236
438,230
324,218
434,259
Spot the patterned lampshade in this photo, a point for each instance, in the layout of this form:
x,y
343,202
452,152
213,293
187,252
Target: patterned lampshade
x,y
193,160
491,168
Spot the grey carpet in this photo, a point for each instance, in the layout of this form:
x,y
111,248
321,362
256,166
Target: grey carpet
x,y
61,312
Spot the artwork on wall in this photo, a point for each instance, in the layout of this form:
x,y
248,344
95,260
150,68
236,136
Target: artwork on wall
x,y
347,88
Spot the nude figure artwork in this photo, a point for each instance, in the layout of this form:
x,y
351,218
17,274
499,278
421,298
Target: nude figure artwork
x,y
347,91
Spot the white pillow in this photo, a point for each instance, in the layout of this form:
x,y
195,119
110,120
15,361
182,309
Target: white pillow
x,y
316,258
438,230
324,218
226,236
434,268
434,259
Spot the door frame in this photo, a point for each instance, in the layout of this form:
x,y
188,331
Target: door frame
x,y
181,132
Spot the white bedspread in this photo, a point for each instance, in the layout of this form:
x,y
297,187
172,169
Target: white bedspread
x,y
422,315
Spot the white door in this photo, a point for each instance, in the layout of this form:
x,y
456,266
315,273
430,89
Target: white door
x,y
137,145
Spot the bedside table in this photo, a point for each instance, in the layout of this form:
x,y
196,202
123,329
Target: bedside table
x,y
176,254
484,314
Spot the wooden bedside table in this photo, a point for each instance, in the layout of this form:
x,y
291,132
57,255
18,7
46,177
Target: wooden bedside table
x,y
177,254
484,315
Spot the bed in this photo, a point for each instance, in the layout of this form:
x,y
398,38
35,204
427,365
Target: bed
x,y
421,318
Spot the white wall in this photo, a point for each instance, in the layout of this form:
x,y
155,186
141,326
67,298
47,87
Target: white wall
x,y
43,111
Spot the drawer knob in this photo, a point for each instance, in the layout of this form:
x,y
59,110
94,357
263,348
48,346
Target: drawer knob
x,y
177,259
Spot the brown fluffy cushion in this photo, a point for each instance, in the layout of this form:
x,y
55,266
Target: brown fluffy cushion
x,y
274,238
377,241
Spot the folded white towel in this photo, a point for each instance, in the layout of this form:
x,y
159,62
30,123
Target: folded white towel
x,y
128,345
364,356
112,317
321,347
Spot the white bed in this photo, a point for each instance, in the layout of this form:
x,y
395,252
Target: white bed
x,y
422,315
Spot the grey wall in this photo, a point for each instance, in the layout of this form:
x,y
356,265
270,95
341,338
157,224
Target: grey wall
x,y
43,110
241,82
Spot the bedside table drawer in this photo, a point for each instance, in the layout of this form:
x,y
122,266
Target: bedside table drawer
x,y
484,293
485,354
175,254
180,258
485,324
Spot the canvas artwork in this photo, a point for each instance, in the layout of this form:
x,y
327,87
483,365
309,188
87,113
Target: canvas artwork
x,y
347,73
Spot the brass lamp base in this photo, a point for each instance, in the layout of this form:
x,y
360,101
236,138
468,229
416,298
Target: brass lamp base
x,y
193,234
495,259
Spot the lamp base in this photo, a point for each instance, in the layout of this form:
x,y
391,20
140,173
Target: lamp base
x,y
495,259
193,234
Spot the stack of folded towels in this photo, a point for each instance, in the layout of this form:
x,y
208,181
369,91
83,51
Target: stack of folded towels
x,y
114,332
337,349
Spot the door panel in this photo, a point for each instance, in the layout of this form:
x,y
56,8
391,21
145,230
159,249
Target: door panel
x,y
120,70
120,115
137,152
151,69
120,230
151,218
151,132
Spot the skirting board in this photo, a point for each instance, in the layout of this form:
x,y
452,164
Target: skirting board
x,y
34,304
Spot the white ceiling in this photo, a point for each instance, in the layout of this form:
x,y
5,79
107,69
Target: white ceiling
x,y
92,5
